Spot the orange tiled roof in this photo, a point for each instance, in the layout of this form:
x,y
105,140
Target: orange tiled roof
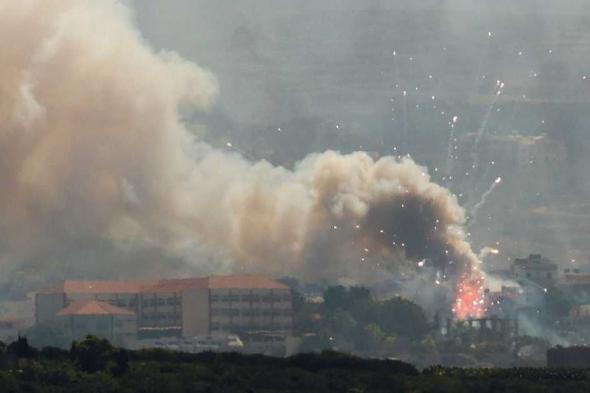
x,y
92,307
176,284
86,286
167,285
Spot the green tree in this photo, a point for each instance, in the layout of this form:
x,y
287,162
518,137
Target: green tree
x,y
21,349
121,357
399,316
92,354
336,297
342,298
359,294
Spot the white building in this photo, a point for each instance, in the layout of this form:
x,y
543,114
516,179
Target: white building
x,y
250,306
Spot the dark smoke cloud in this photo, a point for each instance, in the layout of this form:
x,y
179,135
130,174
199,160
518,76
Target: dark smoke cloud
x,y
96,157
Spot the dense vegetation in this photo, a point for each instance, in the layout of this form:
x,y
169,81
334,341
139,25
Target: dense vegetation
x,y
93,365
352,320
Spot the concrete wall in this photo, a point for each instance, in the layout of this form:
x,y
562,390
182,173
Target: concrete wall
x,y
195,312
47,305
118,329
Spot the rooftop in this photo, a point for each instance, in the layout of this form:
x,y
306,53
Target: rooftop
x,y
92,307
166,285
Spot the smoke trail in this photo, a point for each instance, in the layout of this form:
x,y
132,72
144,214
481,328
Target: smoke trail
x,y
450,148
482,201
486,251
93,148
405,119
484,125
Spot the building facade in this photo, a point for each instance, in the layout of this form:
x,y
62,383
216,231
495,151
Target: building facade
x,y
244,305
535,269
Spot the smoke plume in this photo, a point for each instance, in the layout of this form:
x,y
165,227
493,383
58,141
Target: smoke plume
x,y
94,145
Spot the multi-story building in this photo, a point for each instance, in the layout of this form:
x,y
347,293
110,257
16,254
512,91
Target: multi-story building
x,y
535,269
245,305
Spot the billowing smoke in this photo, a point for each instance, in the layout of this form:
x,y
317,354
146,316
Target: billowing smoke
x,y
93,145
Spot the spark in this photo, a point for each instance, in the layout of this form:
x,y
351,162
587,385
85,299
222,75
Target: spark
x,y
487,251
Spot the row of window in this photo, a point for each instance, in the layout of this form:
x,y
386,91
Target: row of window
x,y
244,328
251,298
160,317
250,312
132,303
171,301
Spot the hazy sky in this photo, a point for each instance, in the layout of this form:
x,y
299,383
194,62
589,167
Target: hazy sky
x,y
473,90
324,72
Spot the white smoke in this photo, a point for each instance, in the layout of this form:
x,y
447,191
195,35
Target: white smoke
x,y
93,146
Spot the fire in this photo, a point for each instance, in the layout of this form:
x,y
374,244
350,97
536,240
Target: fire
x,y
469,298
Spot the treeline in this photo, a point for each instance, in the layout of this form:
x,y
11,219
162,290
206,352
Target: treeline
x,y
352,320
93,365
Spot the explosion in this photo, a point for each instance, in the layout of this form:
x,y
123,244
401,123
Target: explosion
x,y
100,171
469,297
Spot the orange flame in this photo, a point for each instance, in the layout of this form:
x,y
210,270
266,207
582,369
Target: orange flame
x,y
469,297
